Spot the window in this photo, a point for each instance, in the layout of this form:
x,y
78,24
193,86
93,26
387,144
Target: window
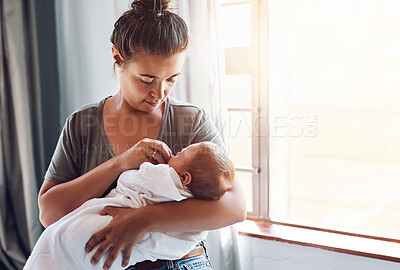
x,y
323,144
241,41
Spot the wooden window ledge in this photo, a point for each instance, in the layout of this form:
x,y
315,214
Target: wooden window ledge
x,y
350,243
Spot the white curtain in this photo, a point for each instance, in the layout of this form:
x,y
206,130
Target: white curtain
x,y
201,83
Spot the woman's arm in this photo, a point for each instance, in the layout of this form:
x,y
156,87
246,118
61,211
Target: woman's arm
x,y
128,226
198,215
55,201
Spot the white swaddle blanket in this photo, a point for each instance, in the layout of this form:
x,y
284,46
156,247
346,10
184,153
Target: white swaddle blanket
x,y
62,245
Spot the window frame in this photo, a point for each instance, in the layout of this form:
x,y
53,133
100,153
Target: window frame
x,y
245,60
258,223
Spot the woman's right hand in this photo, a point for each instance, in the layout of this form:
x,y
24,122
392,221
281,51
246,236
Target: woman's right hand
x,y
146,150
127,227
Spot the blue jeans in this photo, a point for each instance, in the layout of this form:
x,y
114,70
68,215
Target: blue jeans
x,y
200,262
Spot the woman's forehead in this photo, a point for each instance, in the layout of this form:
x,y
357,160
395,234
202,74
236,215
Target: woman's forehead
x,y
157,64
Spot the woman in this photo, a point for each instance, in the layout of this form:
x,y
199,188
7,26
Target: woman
x,y
100,141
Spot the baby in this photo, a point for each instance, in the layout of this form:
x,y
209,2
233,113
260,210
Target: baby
x,y
201,170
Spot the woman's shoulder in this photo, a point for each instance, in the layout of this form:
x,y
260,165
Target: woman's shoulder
x,y
86,118
90,108
188,123
178,107
87,112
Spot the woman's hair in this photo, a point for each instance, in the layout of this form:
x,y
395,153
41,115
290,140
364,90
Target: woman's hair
x,y
149,26
212,172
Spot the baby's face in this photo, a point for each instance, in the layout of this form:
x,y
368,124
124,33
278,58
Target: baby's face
x,y
179,161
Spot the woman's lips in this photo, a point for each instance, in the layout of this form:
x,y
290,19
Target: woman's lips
x,y
153,104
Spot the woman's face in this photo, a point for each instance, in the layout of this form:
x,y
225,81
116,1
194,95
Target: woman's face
x,y
148,80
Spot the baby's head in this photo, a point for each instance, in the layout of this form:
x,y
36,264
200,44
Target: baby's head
x,y
205,169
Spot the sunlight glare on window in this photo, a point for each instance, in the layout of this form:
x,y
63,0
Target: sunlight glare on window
x,y
239,86
236,25
239,137
340,63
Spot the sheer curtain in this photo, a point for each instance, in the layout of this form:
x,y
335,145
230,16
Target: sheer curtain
x,y
22,150
201,83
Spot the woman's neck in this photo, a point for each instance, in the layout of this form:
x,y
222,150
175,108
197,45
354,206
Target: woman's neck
x,y
125,126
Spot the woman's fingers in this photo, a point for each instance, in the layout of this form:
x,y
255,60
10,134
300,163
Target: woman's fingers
x,y
109,211
161,148
157,150
116,249
127,228
101,250
113,256
127,255
145,150
156,158
165,151
96,239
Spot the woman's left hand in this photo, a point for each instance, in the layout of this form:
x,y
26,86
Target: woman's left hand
x,y
126,229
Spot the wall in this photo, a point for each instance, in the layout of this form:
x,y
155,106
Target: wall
x,y
84,51
259,254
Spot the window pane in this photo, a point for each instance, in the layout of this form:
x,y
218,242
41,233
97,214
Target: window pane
x,y
334,106
247,185
239,138
236,25
238,90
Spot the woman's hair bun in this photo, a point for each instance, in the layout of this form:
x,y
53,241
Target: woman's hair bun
x,y
144,7
150,26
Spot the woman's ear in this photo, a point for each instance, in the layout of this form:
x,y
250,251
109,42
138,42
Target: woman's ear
x,y
117,57
186,178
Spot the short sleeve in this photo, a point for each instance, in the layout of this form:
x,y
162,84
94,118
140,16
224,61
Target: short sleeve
x,y
65,163
204,129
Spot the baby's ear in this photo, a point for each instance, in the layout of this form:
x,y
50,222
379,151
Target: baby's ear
x,y
186,178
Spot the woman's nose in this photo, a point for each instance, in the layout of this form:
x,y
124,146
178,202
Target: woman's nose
x,y
159,91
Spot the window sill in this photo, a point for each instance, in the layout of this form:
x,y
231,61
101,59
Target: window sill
x,y
360,245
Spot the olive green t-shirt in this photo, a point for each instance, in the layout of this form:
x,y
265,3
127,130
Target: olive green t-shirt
x,y
83,144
